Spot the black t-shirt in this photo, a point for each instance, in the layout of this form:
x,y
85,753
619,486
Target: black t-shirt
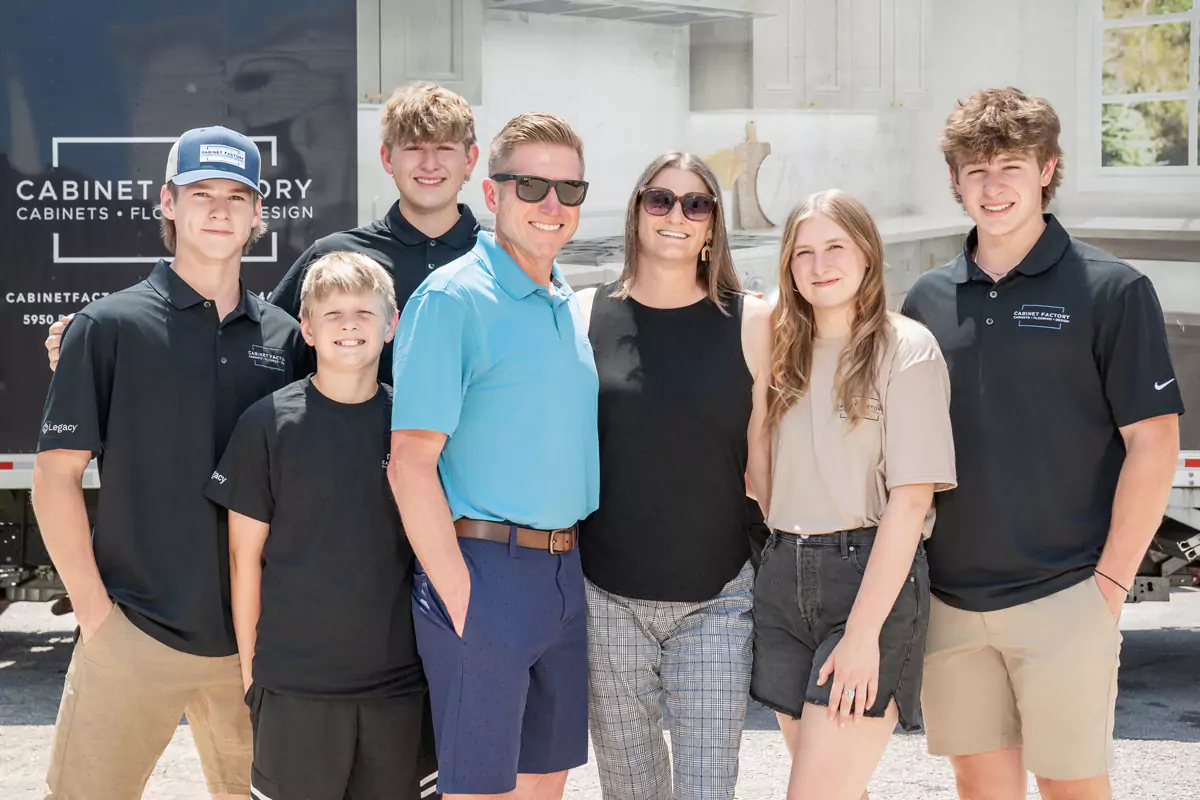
x,y
153,382
337,569
1045,366
675,401
402,250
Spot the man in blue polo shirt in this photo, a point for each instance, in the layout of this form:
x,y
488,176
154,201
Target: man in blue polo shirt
x,y
494,460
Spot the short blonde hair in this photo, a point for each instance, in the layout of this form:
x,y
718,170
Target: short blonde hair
x,y
351,273
425,112
532,128
993,122
166,228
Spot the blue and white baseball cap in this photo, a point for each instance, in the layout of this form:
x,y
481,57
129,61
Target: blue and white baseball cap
x,y
204,154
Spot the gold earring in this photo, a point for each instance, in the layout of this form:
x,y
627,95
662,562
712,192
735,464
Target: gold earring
x,y
705,252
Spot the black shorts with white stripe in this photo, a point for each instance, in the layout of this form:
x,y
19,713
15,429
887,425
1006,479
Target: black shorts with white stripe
x,y
330,748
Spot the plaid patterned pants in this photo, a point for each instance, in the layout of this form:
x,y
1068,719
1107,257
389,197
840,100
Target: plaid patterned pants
x,y
699,656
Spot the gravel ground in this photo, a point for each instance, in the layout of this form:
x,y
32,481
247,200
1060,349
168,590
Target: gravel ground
x,y
1158,718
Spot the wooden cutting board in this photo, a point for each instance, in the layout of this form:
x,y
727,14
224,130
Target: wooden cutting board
x,y
751,153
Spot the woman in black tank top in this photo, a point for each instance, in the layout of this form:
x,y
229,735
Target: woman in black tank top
x,y
682,355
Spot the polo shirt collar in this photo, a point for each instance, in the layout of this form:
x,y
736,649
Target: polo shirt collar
x,y
250,305
176,291
458,236
1047,252
515,282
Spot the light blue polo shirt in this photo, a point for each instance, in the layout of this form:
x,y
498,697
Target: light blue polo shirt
x,y
503,367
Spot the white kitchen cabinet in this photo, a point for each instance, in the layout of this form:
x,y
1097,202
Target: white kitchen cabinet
x,y
841,54
910,40
828,44
401,41
778,56
872,53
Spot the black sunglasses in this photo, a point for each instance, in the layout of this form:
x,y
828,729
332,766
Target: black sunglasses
x,y
532,189
696,206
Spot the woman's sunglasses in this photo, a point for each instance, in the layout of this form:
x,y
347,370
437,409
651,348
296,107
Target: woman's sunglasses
x,y
696,206
532,189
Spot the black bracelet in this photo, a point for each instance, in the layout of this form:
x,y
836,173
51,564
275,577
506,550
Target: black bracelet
x,y
1102,575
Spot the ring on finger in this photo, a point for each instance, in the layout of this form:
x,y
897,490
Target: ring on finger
x,y
849,693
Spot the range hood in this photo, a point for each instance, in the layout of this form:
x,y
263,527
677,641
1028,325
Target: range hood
x,y
660,12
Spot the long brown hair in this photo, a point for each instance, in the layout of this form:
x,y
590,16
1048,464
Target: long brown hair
x,y
717,272
794,324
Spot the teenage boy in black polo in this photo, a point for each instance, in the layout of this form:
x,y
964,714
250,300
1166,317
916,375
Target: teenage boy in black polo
x,y
1065,414
336,690
152,380
429,150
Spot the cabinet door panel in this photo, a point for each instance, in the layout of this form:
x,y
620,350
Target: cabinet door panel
x,y
872,53
828,62
779,56
433,40
911,41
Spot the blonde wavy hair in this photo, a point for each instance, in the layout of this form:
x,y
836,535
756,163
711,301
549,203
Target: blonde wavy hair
x,y
795,327
425,112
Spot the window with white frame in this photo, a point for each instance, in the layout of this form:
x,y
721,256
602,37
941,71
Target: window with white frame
x,y
1149,60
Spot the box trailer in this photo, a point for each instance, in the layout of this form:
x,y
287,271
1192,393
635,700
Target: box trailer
x,y
92,96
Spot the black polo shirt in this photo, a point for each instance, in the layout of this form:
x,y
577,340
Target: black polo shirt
x,y
151,381
402,250
315,470
1045,365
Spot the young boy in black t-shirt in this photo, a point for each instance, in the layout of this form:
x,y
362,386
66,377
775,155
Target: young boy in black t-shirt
x,y
320,567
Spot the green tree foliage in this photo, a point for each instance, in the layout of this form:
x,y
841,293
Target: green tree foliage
x,y
1121,9
1152,134
1125,138
1147,58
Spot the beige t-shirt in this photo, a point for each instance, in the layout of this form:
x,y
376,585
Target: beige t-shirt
x,y
828,476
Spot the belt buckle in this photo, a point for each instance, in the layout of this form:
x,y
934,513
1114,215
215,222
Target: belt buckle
x,y
553,538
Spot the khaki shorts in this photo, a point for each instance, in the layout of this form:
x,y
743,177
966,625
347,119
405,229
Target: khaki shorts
x,y
124,696
1041,676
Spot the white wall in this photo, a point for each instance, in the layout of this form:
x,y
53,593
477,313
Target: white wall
x,y
623,86
1032,44
867,154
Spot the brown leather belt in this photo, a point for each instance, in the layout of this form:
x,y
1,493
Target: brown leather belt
x,y
560,540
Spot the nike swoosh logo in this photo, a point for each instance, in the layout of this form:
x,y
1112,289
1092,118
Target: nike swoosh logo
x,y
1160,386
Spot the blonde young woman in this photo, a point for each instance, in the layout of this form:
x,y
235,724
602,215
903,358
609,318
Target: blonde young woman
x,y
683,358
858,431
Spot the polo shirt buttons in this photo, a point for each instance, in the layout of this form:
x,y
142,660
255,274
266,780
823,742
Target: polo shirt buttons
x,y
208,304
993,294
224,360
989,320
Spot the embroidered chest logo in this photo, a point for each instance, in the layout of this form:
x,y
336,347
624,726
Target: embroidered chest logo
x,y
218,477
873,411
272,358
1031,315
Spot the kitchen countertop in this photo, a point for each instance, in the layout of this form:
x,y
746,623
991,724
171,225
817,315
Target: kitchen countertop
x,y
906,229
1158,228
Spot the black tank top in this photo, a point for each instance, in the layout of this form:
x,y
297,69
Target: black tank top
x,y
675,398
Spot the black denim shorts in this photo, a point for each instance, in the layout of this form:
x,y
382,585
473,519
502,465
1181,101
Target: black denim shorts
x,y
805,589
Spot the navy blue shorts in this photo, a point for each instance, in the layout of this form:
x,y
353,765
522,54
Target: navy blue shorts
x,y
510,696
